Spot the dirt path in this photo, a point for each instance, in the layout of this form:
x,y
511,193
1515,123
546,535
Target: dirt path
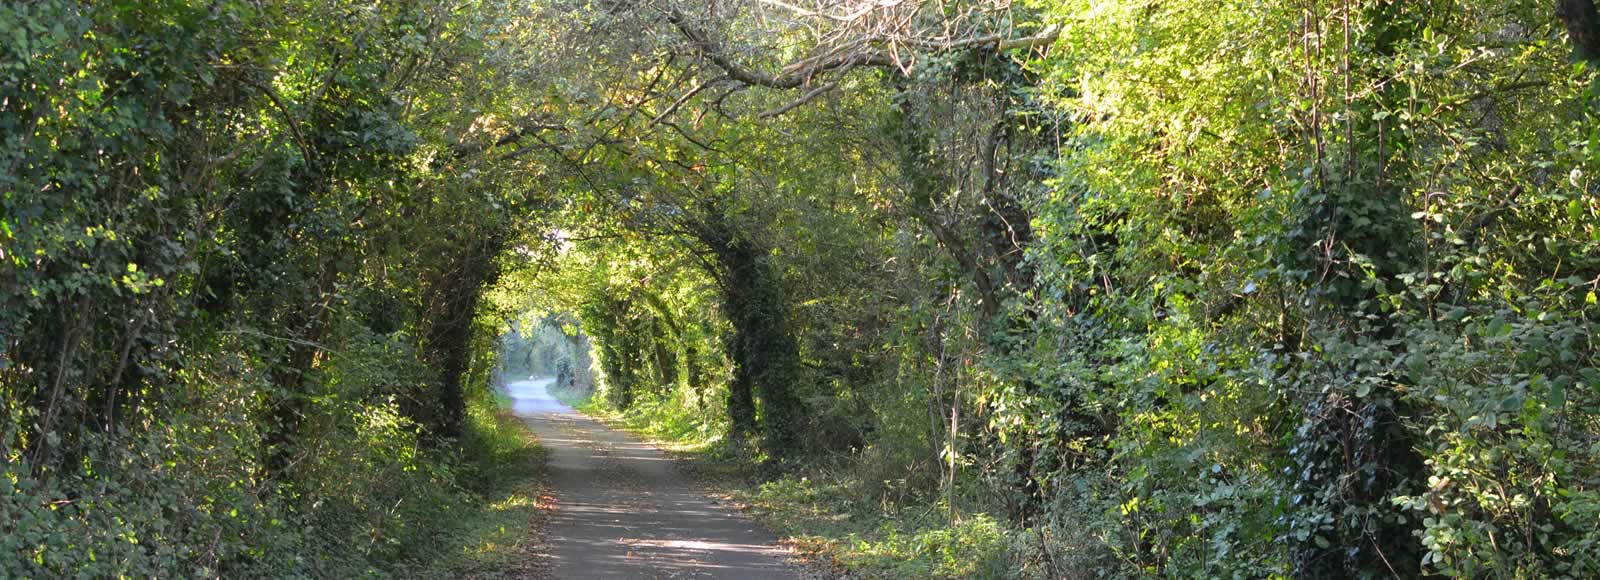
x,y
622,512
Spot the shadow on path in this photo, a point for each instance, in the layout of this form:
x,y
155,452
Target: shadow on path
x,y
622,512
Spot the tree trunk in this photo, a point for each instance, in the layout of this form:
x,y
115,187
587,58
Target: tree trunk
x,y
766,357
1354,451
450,328
1583,26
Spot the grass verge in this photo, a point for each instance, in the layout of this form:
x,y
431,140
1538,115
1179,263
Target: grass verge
x,y
499,533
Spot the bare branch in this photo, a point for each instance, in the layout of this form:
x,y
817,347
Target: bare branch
x,y
805,98
290,121
684,99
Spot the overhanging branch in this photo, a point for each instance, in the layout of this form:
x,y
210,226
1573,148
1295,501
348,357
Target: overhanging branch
x,y
864,51
524,128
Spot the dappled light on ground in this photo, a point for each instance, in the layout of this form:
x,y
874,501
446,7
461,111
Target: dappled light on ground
x,y
622,512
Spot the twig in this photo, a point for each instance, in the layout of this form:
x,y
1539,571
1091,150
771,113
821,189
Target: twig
x,y
805,98
288,119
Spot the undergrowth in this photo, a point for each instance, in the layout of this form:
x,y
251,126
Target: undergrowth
x,y
375,506
497,534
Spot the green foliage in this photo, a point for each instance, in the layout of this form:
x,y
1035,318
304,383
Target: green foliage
x,y
1227,289
492,534
182,500
1191,288
878,546
1274,310
221,352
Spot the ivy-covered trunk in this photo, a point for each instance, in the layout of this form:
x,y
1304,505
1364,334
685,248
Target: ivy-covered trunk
x,y
766,357
1353,448
991,175
450,325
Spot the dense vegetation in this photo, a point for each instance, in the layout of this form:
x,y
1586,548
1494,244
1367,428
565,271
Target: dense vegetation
x,y
1052,289
243,251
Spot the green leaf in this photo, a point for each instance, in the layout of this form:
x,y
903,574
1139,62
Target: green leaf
x,y
1511,403
1499,328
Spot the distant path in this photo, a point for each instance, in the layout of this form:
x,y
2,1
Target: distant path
x,y
622,512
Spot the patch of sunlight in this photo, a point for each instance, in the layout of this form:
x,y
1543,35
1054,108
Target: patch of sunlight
x,y
512,502
692,446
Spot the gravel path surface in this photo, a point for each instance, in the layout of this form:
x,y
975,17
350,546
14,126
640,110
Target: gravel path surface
x,y
622,511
